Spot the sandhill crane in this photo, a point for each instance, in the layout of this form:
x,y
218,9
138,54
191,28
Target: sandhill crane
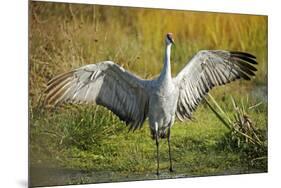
x,y
160,100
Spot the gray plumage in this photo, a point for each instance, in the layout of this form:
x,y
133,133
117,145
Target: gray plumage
x,y
160,100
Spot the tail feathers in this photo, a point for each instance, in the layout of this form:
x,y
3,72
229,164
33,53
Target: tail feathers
x,y
161,134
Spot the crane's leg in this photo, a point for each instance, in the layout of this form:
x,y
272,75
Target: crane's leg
x,y
170,156
157,148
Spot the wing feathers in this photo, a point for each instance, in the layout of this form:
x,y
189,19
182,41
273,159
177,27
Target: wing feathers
x,y
243,54
246,58
206,70
106,84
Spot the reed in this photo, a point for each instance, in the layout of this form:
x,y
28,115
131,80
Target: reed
x,y
66,36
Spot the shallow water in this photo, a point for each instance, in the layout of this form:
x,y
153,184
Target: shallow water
x,y
54,176
41,176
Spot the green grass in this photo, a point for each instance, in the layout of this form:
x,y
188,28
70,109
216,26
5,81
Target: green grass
x,y
92,139
89,138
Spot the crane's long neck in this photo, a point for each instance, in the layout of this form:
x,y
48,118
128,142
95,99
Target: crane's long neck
x,y
166,71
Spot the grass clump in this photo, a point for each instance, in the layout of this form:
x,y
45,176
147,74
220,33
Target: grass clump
x,y
244,135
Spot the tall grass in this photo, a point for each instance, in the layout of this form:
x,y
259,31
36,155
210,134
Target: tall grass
x,y
66,36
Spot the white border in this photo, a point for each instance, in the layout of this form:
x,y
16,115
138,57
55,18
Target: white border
x,y
13,77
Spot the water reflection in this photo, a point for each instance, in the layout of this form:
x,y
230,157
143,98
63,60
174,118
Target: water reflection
x,y
40,176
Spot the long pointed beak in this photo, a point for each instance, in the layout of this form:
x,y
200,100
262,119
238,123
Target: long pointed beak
x,y
173,42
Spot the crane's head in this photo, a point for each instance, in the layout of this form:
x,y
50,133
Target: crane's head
x,y
169,39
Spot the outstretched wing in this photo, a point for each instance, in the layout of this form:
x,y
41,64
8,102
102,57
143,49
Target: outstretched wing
x,y
106,84
207,69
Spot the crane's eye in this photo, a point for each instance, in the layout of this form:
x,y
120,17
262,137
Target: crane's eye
x,y
169,36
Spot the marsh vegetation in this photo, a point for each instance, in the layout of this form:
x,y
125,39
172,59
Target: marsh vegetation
x,y
92,142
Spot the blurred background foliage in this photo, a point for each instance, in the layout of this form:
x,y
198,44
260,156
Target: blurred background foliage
x,y
66,36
